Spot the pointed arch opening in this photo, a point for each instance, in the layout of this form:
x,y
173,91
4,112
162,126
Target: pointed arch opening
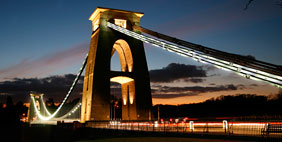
x,y
125,55
126,85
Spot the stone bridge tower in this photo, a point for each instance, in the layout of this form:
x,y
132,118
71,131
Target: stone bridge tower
x,y
133,77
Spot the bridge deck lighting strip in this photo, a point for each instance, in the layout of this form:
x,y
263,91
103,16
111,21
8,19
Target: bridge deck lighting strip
x,y
66,97
252,71
202,57
238,59
72,111
154,42
255,65
224,67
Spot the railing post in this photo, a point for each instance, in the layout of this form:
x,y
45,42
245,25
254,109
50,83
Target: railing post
x,y
184,127
164,126
225,125
207,127
191,124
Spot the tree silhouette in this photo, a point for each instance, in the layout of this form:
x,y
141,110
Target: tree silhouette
x,y
247,5
226,106
278,2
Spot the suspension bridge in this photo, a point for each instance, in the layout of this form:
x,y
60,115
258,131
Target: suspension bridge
x,y
120,31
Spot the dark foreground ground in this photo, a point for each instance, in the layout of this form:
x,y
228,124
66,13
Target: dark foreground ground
x,y
160,139
49,133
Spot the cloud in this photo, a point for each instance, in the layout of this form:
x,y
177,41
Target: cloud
x,y
176,71
54,87
45,65
173,95
174,92
254,85
194,80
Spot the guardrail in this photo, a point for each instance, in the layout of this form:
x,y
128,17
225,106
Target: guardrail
x,y
264,129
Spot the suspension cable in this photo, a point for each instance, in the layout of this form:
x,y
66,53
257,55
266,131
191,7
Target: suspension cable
x,y
66,97
238,59
72,111
241,69
44,106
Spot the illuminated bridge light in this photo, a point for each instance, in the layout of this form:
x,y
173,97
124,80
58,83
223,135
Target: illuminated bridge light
x,y
44,106
61,105
72,111
202,57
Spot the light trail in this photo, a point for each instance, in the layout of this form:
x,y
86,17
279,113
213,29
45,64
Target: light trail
x,y
245,71
269,129
198,125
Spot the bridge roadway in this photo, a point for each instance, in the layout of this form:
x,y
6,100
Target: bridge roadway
x,y
253,129
236,128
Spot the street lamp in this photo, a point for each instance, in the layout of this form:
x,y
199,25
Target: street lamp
x,y
115,106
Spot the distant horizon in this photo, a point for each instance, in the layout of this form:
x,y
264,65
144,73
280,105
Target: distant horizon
x,y
198,88
58,102
42,42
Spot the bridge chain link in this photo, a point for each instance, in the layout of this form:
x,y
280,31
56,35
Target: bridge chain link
x,y
246,71
50,116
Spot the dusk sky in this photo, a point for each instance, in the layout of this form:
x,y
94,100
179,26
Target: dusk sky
x,y
43,40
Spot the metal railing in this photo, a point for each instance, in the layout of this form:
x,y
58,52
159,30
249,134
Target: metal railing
x,y
251,128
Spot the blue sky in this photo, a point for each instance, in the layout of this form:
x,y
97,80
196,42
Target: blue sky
x,y
40,38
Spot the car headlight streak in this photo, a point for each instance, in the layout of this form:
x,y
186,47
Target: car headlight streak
x,y
247,72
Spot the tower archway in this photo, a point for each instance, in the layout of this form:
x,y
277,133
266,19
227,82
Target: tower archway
x,y
133,76
127,83
125,55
